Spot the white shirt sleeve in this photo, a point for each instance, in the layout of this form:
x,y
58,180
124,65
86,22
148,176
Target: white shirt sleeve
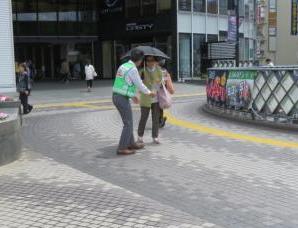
x,y
136,80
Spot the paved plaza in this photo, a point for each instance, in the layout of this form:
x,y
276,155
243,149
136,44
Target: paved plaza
x,y
207,172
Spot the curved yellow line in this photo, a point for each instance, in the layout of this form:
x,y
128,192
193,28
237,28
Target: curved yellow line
x,y
226,134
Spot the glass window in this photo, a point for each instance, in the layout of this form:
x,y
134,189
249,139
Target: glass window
x,y
246,12
87,10
246,49
25,17
47,16
198,39
87,16
185,5
223,7
27,10
184,55
163,6
241,8
148,7
212,6
199,5
212,38
67,16
67,10
223,35
164,43
14,10
241,49
47,10
133,8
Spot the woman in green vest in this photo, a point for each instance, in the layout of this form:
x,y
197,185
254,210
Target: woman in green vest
x,y
152,78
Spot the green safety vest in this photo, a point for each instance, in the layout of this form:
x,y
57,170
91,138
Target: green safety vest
x,y
121,86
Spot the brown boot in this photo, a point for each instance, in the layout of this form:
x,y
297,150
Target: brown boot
x,y
136,146
126,152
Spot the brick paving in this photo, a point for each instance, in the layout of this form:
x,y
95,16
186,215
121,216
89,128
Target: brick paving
x,y
204,178
37,191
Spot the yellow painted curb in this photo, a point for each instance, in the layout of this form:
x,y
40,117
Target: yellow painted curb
x,y
72,104
226,134
79,104
193,126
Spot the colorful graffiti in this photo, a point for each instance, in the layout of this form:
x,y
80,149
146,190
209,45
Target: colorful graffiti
x,y
230,88
216,87
239,89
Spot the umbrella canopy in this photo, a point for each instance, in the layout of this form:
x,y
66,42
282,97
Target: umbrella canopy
x,y
148,50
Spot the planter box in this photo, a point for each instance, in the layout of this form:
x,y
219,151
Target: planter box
x,y
10,136
10,104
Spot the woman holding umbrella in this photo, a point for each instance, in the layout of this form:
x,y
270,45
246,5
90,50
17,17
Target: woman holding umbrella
x,y
152,78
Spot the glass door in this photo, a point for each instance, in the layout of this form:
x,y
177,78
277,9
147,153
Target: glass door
x,y
185,56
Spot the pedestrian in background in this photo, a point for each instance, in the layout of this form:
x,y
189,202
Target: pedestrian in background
x,y
90,74
23,86
65,71
269,63
167,80
152,75
126,83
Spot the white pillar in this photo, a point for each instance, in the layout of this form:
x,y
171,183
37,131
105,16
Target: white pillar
x,y
7,66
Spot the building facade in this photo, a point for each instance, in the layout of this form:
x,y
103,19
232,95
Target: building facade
x,y
7,69
200,21
277,36
47,31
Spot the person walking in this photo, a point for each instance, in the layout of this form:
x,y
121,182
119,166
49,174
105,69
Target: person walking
x,y
269,63
125,85
152,75
65,71
90,74
167,80
23,86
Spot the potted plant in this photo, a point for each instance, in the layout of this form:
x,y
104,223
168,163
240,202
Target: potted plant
x,y
8,102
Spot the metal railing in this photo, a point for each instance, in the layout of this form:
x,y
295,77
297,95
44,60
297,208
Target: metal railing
x,y
267,92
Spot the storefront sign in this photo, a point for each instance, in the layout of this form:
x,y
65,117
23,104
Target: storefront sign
x,y
239,88
139,27
111,7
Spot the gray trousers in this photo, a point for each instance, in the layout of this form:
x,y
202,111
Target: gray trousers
x,y
155,112
123,106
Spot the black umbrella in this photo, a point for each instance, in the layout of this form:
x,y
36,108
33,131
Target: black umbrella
x,y
148,50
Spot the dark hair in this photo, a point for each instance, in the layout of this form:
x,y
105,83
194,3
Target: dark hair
x,y
150,56
268,60
136,55
162,62
23,65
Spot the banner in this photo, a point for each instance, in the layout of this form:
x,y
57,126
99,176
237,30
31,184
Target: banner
x,y
239,88
232,29
294,17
